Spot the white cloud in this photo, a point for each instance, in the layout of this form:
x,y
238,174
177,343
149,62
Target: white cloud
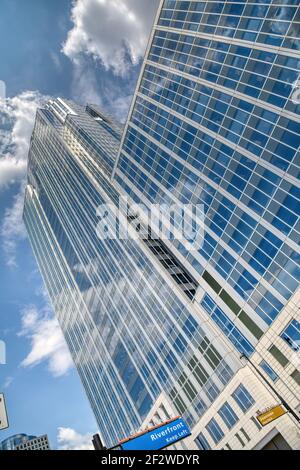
x,y
68,439
114,31
46,341
118,102
13,229
7,382
17,117
84,84
11,170
56,60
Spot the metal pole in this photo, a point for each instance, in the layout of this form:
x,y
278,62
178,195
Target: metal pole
x,y
98,443
285,404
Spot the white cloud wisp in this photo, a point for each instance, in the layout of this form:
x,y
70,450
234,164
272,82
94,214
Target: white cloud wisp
x,y
46,341
114,31
69,439
17,116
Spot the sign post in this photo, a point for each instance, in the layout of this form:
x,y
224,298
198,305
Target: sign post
x,y
270,415
3,413
283,402
158,437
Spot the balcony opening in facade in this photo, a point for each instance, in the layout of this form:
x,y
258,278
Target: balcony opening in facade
x,y
165,257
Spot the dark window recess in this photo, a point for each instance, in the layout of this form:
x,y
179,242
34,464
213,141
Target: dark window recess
x,y
95,113
162,253
200,375
182,379
190,390
246,320
212,282
230,302
204,344
240,439
104,120
180,405
279,356
257,424
213,357
234,307
245,434
174,268
296,376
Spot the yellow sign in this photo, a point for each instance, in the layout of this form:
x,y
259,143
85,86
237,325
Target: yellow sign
x,y
270,415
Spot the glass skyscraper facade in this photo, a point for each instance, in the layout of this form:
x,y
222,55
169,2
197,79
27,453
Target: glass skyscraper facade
x,y
131,336
219,115
214,121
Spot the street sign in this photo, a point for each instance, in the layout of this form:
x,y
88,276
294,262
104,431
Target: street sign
x,y
271,414
159,437
3,414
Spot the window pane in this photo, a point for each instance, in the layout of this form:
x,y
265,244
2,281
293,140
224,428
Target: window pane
x,y
243,398
291,335
202,442
269,371
228,415
215,431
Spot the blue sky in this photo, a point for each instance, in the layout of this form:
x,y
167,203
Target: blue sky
x,y
86,50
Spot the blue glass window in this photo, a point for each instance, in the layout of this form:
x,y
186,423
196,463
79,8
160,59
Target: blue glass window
x,y
202,443
190,326
215,431
243,398
227,326
269,371
228,415
291,335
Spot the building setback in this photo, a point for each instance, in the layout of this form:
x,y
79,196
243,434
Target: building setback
x,y
156,329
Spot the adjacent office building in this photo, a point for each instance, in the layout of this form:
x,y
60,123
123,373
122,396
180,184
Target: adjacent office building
x,y
24,442
157,329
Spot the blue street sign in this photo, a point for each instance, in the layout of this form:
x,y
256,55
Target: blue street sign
x,y
160,437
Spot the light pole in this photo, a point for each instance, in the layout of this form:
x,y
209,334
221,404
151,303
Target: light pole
x,y
97,443
285,404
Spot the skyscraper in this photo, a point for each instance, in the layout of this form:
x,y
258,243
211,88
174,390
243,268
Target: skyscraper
x,y
129,332
215,120
157,329
24,442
